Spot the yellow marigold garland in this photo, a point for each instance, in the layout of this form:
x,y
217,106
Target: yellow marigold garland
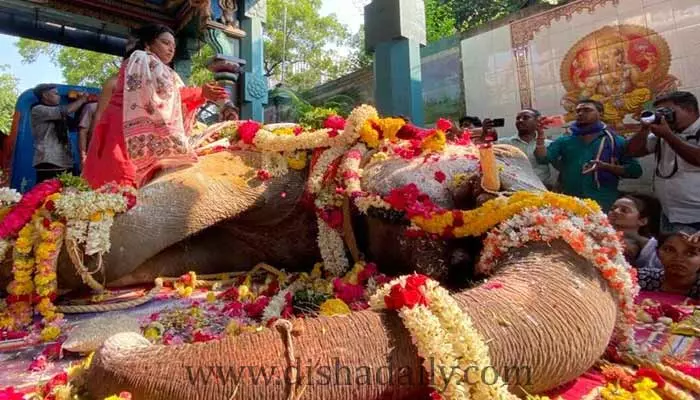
x,y
479,221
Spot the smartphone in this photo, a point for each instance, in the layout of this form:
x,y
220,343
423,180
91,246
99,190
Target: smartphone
x,y
499,122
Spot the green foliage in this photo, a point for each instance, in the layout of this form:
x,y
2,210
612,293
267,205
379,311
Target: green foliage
x,y
79,67
75,182
359,58
200,72
307,44
314,117
8,98
439,20
444,17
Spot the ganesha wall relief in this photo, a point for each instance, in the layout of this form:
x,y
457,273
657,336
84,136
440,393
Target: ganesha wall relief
x,y
623,66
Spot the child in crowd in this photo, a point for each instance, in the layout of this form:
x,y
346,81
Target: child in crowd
x,y
675,267
634,215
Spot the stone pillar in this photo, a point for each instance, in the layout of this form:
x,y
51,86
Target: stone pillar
x,y
395,32
255,86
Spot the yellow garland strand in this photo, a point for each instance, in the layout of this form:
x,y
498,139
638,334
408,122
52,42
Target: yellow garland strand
x,y
478,221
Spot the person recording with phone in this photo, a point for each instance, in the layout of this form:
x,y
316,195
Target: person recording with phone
x,y
591,160
672,133
526,123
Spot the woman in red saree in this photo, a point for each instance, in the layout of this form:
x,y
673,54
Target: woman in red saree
x,y
144,128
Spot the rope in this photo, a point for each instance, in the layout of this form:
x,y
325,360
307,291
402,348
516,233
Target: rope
x,y
92,308
78,262
284,327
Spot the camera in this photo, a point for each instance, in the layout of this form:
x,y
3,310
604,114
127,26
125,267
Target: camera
x,y
654,117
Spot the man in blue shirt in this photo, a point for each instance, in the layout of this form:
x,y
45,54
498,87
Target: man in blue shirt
x,y
592,160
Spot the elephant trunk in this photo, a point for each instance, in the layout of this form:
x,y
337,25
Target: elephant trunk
x,y
550,318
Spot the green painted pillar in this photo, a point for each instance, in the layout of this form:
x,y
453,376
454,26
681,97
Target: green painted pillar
x,y
395,32
255,85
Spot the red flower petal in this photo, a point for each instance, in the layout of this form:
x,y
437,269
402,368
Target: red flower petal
x,y
440,176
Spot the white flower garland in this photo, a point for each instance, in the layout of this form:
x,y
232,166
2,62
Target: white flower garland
x,y
351,167
364,203
266,140
97,241
593,238
321,167
77,231
278,302
9,196
445,336
84,205
332,248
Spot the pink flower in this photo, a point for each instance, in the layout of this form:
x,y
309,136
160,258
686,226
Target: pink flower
x,y
333,217
22,212
38,364
9,393
367,272
248,130
335,123
444,125
347,292
233,309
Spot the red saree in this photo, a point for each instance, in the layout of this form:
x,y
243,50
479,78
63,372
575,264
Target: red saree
x,y
145,126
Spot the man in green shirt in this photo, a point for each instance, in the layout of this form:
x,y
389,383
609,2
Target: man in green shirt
x,y
592,159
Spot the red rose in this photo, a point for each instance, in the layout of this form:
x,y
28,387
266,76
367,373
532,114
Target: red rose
x,y
298,130
201,337
440,176
264,175
409,297
415,281
233,309
46,223
255,309
248,130
444,125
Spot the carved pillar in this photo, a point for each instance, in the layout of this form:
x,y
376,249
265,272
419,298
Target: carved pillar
x,y
395,32
219,28
255,87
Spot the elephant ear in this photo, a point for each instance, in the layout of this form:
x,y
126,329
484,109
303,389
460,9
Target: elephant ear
x,y
184,202
516,173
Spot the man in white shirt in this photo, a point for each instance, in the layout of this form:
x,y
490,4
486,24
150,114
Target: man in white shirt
x,y
526,122
674,141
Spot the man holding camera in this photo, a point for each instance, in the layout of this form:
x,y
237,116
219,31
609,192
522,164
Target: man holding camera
x,y
592,159
526,123
671,132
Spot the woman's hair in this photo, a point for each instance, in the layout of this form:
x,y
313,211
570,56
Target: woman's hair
x,y
648,208
148,34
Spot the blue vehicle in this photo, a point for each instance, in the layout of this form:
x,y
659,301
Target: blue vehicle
x,y
18,147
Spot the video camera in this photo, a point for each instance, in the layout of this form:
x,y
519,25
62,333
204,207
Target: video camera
x,y
654,117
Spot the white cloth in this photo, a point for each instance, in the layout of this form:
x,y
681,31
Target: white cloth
x,y
679,195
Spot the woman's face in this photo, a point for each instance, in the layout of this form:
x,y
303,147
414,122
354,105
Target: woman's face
x,y
163,47
624,215
681,260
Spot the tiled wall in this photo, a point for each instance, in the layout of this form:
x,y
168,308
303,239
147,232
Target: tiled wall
x,y
490,80
676,21
492,87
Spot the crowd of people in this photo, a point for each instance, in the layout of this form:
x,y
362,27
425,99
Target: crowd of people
x,y
661,232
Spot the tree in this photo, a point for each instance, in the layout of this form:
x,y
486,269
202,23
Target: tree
x,y
8,98
79,67
306,46
359,58
440,21
470,14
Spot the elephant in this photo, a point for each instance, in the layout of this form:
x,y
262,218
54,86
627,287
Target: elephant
x,y
553,316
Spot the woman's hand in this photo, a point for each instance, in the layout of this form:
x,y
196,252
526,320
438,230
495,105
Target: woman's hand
x,y
214,92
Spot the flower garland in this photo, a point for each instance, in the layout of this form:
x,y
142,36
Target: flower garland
x,y
591,237
332,248
443,335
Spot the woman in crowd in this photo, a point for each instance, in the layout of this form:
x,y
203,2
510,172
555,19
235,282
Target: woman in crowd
x,y
634,216
676,267
144,127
